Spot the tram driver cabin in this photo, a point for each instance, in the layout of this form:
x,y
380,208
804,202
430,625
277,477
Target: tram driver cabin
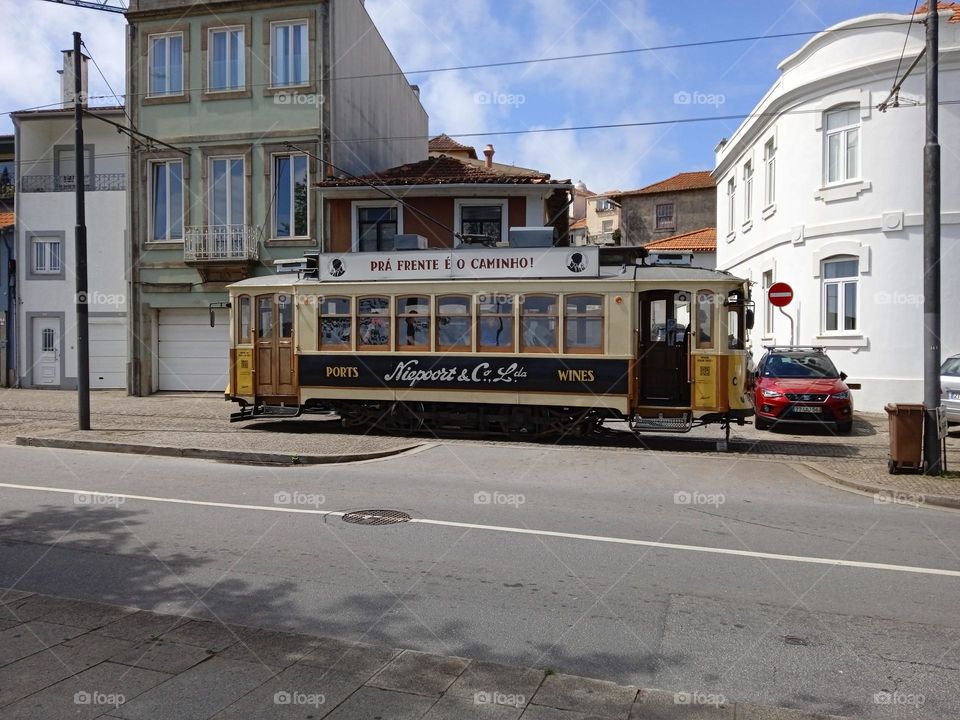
x,y
510,340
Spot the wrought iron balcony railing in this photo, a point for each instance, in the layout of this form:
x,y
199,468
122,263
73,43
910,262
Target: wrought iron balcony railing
x,y
221,243
68,183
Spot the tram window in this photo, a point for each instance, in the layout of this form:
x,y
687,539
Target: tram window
x,y
285,311
373,323
705,300
583,329
538,329
454,323
265,317
735,328
495,319
335,323
243,320
413,322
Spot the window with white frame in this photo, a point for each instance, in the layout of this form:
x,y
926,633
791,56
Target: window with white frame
x,y
665,219
46,255
166,203
767,306
748,191
841,144
289,52
166,64
291,196
227,191
731,205
841,281
770,173
603,205
225,59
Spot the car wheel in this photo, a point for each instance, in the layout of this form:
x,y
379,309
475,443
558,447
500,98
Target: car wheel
x,y
844,428
760,424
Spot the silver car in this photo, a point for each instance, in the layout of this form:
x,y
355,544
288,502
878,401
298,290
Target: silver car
x,y
950,387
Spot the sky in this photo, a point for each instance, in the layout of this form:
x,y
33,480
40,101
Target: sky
x,y
702,82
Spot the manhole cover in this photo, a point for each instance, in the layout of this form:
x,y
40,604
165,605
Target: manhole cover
x,y
376,517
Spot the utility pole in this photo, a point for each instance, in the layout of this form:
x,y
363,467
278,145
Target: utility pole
x,y
83,324
931,249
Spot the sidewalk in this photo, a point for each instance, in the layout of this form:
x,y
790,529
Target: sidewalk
x,y
62,658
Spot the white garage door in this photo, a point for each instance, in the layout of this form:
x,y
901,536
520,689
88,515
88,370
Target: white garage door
x,y
108,353
193,355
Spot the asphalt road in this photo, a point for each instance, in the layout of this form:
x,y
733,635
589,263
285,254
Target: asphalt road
x,y
739,577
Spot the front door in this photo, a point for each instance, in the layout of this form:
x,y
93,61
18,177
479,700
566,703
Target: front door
x,y
275,357
664,348
46,351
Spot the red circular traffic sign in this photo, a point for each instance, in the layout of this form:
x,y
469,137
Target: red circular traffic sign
x,y
780,294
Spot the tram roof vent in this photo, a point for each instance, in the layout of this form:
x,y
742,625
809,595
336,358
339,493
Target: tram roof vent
x,y
410,242
532,237
663,258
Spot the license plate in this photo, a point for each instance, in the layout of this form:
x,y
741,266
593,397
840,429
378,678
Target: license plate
x,y
953,395
807,409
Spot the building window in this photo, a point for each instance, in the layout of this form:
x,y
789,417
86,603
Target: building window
x,y
603,205
227,191
495,316
166,64
841,280
413,322
46,256
482,223
225,60
289,50
748,191
66,168
770,173
539,319
335,323
291,196
842,144
166,207
583,324
454,323
373,323
731,205
767,306
243,320
376,228
665,217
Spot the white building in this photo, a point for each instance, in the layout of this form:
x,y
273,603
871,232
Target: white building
x,y
45,222
821,190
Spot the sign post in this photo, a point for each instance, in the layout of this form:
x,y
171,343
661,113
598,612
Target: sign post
x,y
780,295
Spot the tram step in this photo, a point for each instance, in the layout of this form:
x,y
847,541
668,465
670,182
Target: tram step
x,y
265,412
681,424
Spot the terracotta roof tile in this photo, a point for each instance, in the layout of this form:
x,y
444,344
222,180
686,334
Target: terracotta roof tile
x,y
444,143
955,6
699,180
704,240
578,224
441,170
7,218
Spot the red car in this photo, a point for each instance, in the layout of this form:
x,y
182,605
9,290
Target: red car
x,y
801,385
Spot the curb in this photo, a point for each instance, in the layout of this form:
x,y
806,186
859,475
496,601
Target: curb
x,y
238,457
946,501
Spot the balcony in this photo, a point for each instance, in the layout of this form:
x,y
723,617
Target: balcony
x,y
68,183
221,253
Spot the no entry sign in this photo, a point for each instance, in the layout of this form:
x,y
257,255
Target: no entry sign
x,y
780,294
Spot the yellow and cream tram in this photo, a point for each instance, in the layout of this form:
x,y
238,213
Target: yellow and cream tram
x,y
541,341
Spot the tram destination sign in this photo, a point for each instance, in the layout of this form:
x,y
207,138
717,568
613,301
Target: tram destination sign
x,y
480,373
465,263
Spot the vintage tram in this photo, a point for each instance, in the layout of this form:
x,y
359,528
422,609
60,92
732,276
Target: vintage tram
x,y
534,341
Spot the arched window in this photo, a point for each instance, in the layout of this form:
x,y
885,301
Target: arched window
x,y
841,144
538,329
583,324
841,289
373,323
454,323
413,322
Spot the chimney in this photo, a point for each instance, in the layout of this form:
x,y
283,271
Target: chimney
x,y
66,79
488,154
416,90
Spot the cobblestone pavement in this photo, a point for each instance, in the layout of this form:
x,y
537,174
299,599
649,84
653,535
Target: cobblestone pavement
x,y
64,658
202,421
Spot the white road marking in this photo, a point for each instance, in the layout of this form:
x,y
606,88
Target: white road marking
x,y
518,531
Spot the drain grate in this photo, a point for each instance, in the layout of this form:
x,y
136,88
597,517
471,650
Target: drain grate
x,y
376,517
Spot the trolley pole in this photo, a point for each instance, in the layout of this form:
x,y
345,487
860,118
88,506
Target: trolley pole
x,y
80,243
931,250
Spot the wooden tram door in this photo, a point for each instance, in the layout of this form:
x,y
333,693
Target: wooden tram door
x,y
275,348
664,351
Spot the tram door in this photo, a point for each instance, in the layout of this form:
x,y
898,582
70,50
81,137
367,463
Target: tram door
x,y
664,348
275,358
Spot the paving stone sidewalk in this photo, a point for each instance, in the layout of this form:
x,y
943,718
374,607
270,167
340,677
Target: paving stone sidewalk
x,y
63,658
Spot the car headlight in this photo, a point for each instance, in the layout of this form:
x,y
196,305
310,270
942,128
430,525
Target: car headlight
x,y
845,395
771,393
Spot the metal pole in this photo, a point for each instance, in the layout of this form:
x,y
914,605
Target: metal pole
x,y
83,338
931,250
